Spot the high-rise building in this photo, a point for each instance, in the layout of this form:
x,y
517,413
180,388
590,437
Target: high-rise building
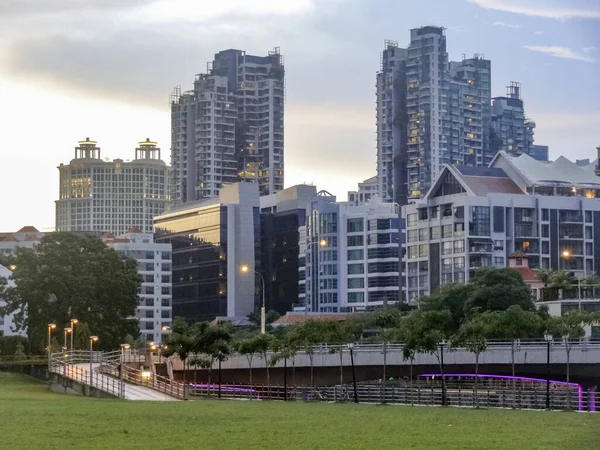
x,y
512,131
476,217
212,239
349,256
96,195
229,128
430,112
366,191
540,152
154,266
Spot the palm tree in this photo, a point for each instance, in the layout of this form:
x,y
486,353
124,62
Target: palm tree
x,y
563,281
545,276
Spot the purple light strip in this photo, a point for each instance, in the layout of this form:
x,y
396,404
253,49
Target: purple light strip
x,y
509,377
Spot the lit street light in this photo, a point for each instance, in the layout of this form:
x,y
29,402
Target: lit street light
x,y
245,269
73,322
51,326
67,331
92,340
323,243
122,367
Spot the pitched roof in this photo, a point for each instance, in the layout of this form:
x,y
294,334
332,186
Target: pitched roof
x,y
28,229
527,273
477,181
134,230
518,254
107,236
33,237
10,238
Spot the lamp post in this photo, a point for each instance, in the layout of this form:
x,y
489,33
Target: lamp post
x,y
92,340
442,345
245,269
73,322
548,339
67,331
351,348
51,326
121,367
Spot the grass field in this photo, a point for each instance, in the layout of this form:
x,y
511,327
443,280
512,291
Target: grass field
x,y
31,417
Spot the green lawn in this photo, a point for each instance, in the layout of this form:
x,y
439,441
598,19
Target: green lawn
x,y
33,418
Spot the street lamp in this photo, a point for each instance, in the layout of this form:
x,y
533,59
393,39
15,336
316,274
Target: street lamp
x,y
121,367
442,345
323,243
73,322
245,269
548,338
92,340
351,348
67,331
51,326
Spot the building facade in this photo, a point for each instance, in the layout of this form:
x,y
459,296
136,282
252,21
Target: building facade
x,y
26,237
349,256
154,310
475,217
229,128
366,191
111,196
211,240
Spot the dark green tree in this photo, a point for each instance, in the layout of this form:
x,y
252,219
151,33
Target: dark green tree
x,y
385,320
309,335
66,276
453,298
182,342
81,340
339,333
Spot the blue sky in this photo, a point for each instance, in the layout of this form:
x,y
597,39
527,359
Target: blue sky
x,y
105,68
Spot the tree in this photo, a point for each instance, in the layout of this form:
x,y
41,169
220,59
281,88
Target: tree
x,y
385,319
569,328
214,341
472,335
563,281
264,343
497,289
284,349
181,341
424,332
545,276
513,324
20,352
66,276
247,347
270,317
309,334
340,333
81,339
451,297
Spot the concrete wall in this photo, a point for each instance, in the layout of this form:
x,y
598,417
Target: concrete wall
x,y
63,385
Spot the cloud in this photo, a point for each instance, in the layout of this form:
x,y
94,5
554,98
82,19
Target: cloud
x,y
540,8
506,25
559,52
539,32
588,49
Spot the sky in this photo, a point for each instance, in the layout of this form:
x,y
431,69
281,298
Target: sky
x,y
104,69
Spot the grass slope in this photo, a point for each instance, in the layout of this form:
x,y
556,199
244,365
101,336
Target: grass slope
x,y
31,417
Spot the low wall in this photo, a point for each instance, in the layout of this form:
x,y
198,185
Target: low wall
x,y
63,385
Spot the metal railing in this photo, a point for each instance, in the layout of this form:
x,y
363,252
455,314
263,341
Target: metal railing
x,y
421,393
111,386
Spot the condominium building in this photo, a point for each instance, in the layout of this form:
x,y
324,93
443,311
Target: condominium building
x,y
229,128
366,191
429,113
475,217
26,237
348,255
513,132
97,195
154,266
212,239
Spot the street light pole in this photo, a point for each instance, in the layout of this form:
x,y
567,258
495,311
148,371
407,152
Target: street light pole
x,y
92,340
73,322
263,318
351,348
51,326
123,348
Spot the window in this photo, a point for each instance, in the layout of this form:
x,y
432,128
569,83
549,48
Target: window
x,y
459,228
545,214
354,255
545,247
411,220
588,216
498,261
355,283
149,255
413,252
423,250
447,248
165,278
498,219
355,225
589,248
588,233
149,314
423,235
166,267
459,246
435,232
165,290
459,262
519,261
498,245
434,212
447,264
447,231
356,241
545,230
149,278
480,225
356,297
356,269
422,213
412,236
165,314
165,302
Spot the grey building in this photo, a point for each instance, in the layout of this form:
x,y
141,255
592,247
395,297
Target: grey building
x,y
229,128
99,196
475,217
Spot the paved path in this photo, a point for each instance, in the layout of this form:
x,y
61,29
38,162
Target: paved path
x,y
80,372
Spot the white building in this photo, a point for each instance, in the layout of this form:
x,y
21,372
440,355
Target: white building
x,y
366,191
111,196
475,217
7,324
154,265
26,237
348,255
229,127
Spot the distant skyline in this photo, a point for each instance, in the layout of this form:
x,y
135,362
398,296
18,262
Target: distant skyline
x,y
105,69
